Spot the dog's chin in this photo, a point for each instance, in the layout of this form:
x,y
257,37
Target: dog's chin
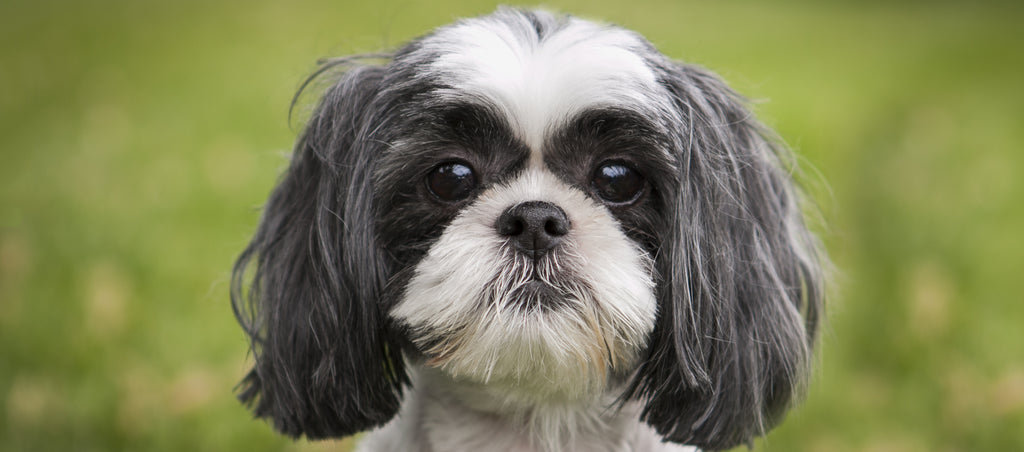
x,y
533,339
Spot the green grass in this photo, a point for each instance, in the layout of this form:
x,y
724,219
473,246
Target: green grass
x,y
138,139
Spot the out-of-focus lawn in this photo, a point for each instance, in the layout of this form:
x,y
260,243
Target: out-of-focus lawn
x,y
137,140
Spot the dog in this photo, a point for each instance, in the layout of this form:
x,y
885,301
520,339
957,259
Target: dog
x,y
530,231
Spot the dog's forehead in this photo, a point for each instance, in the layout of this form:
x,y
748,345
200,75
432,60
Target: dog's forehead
x,y
540,70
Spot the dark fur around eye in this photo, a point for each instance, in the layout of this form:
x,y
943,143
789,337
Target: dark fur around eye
x,y
424,181
626,144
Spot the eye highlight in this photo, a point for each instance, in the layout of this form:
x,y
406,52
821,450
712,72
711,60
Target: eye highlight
x,y
617,183
451,181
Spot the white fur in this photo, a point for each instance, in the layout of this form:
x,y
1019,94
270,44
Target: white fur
x,y
455,416
539,84
458,307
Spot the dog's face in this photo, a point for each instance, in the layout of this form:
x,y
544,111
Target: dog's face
x,y
531,174
542,204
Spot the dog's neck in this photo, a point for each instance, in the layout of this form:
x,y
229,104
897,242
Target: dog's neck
x,y
440,414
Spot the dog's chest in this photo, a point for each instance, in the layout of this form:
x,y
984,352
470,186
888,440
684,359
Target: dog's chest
x,y
432,422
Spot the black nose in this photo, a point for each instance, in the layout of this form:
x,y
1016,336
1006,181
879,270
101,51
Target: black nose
x,y
533,226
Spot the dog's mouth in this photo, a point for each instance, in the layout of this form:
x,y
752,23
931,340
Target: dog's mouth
x,y
537,286
536,295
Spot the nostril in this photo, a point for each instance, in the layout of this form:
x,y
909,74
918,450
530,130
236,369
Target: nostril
x,y
510,226
556,227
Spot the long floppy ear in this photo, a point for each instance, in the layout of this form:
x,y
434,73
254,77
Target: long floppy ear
x,y
324,363
742,277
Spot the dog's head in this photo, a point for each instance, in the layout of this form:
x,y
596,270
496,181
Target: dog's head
x,y
543,204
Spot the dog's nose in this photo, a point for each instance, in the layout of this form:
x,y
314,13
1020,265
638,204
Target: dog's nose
x,y
533,226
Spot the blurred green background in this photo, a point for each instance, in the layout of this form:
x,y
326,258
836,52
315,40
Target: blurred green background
x,y
139,138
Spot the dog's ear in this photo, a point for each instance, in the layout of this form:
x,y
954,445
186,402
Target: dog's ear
x,y
324,363
741,286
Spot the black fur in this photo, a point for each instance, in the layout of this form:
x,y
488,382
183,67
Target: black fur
x,y
730,349
325,365
436,133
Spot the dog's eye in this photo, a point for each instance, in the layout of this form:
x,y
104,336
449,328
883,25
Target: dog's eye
x,y
451,181
617,183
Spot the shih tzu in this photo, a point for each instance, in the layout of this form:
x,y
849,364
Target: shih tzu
x,y
525,232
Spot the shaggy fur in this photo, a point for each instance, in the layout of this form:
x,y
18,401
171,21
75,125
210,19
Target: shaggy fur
x,y
655,285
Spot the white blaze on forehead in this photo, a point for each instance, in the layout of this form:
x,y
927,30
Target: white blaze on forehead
x,y
541,82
